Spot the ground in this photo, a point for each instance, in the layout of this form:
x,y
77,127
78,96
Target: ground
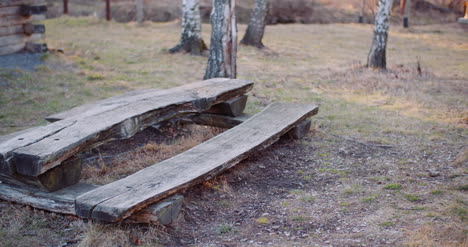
x,y
385,163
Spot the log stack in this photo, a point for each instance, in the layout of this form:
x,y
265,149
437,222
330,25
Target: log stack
x,y
17,29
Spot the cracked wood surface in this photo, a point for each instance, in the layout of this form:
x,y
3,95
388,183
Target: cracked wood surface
x,y
118,200
40,149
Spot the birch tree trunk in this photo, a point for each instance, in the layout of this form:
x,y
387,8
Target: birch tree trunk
x,y
254,34
223,48
191,40
377,55
139,11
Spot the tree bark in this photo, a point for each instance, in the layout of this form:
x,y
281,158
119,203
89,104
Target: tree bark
x,y
139,11
191,40
254,34
223,49
377,55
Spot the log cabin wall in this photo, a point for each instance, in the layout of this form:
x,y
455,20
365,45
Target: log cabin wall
x,y
17,29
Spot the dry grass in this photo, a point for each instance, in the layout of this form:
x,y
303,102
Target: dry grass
x,y
120,166
447,235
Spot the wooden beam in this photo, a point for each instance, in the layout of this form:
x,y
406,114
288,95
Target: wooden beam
x,y
19,20
9,49
14,29
63,202
233,107
118,200
7,11
18,39
35,152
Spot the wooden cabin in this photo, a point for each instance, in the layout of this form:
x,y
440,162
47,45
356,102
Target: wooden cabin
x,y
18,30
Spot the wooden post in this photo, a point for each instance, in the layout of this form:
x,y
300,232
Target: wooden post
x,y
65,7
108,12
407,10
363,7
140,15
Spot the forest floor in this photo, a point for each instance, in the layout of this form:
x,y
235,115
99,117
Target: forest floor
x,y
385,164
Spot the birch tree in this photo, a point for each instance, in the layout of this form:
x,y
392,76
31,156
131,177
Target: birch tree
x,y
377,55
223,48
254,34
191,40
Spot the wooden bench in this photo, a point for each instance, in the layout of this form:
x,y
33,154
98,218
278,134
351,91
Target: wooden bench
x,y
44,156
118,200
146,195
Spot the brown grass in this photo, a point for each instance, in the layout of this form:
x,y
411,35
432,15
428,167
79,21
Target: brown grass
x,y
120,166
447,235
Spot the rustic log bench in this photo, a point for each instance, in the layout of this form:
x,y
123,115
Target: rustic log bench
x,y
146,195
44,156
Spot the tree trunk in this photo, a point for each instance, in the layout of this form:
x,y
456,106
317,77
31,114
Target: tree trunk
x,y
191,40
254,34
223,49
139,11
377,55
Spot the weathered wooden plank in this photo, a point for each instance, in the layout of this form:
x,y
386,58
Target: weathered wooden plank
x,y
63,202
59,202
40,150
14,29
118,200
16,39
4,3
83,108
9,49
6,11
19,20
233,107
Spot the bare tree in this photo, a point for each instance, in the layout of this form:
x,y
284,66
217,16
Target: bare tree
x,y
191,40
377,55
223,48
254,34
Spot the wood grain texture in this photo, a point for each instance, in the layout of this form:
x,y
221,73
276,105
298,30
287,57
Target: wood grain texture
x,y
118,200
63,202
19,20
41,149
